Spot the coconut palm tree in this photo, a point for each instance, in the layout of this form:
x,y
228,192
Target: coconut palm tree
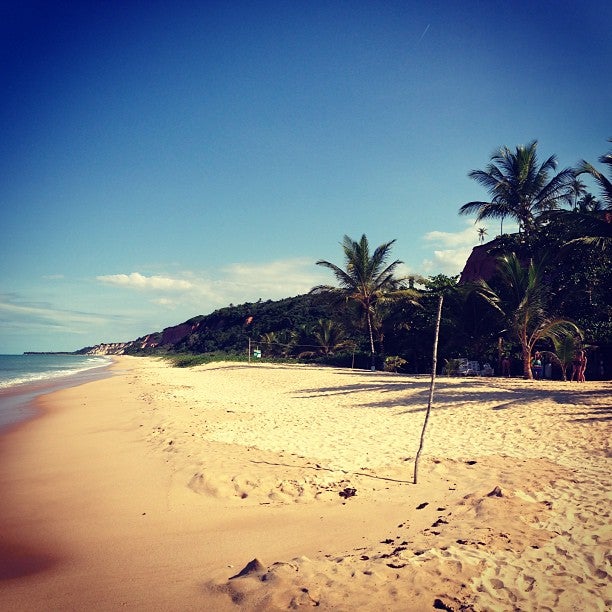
x,y
605,184
482,232
578,190
330,336
520,188
565,351
595,223
365,279
523,306
279,344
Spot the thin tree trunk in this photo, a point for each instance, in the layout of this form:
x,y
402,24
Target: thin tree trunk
x,y
527,373
372,349
434,362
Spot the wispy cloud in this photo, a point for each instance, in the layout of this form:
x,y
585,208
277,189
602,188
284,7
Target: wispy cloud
x,y
164,302
13,311
140,281
272,279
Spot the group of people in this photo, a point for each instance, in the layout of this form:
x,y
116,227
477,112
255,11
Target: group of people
x,y
579,363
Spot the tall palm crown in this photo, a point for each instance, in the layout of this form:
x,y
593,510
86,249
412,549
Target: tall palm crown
x,y
365,278
520,188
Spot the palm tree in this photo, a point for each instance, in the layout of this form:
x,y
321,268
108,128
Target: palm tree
x,y
595,224
523,307
280,344
578,190
482,232
604,183
365,279
519,187
565,351
329,336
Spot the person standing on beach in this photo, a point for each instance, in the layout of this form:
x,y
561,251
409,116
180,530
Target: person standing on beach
x,y
579,366
583,368
505,366
536,366
583,364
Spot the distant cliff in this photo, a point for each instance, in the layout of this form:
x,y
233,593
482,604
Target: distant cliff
x,y
150,341
227,329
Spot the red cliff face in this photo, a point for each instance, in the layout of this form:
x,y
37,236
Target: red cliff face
x,y
479,265
172,335
168,337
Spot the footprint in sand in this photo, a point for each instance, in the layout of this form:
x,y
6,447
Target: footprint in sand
x,y
526,583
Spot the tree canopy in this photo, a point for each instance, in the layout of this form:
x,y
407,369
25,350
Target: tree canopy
x,y
365,279
519,187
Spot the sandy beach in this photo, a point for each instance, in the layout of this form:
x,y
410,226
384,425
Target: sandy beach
x,y
154,489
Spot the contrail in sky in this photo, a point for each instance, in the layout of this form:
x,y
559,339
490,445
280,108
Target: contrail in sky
x,y
424,32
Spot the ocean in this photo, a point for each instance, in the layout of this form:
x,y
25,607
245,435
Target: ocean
x,y
24,377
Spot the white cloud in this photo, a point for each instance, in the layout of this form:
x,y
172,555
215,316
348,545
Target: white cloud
x,y
454,248
448,261
468,236
164,302
139,281
234,283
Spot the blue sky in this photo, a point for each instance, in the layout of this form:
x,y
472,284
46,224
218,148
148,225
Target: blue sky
x,y
164,159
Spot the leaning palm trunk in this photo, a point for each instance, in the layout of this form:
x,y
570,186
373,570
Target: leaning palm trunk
x,y
527,373
434,362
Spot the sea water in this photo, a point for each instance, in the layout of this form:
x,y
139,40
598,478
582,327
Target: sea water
x,y
24,377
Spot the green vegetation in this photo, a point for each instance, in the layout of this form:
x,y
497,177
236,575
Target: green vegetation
x,y
366,280
394,363
547,289
523,306
189,360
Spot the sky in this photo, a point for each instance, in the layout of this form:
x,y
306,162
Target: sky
x,y
160,160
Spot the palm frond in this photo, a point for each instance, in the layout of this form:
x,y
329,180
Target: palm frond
x,y
604,183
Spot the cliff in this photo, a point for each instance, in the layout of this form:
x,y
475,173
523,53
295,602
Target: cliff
x,y
227,329
482,262
121,348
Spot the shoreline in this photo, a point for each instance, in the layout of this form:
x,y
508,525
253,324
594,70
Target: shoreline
x,y
22,398
157,485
